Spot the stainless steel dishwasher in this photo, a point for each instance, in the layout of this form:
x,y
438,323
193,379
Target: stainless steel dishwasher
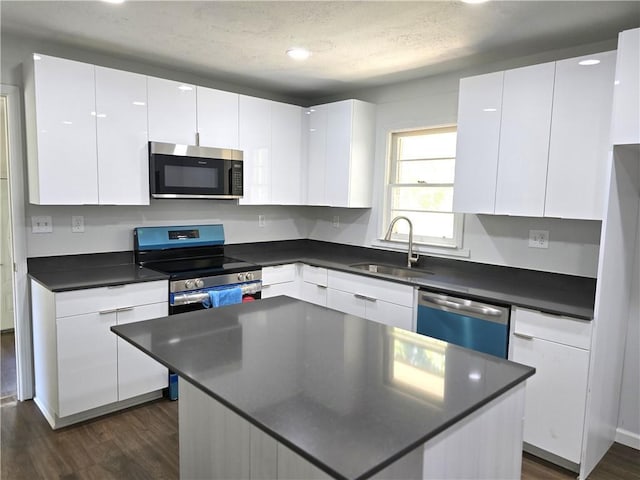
x,y
475,325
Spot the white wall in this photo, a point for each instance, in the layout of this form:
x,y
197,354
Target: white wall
x,y
629,418
109,228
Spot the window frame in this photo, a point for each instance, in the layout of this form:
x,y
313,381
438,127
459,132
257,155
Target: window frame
x,y
391,167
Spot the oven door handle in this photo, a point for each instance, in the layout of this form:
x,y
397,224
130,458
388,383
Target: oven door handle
x,y
199,297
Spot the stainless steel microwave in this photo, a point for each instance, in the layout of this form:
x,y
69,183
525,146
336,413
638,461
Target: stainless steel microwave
x,y
189,171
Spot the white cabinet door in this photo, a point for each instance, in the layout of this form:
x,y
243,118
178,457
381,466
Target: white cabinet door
x,y
478,138
217,118
389,314
626,100
317,151
555,395
87,362
172,111
255,141
346,302
313,293
579,144
524,140
138,373
286,147
63,168
338,153
123,158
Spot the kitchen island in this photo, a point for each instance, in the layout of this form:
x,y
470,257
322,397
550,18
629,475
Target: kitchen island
x,y
280,388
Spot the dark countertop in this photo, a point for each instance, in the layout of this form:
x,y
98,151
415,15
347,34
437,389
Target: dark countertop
x,y
282,364
78,272
549,292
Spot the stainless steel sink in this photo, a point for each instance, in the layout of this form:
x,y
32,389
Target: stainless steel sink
x,y
393,270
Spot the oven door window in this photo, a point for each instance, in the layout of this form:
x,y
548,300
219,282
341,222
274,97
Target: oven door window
x,y
189,175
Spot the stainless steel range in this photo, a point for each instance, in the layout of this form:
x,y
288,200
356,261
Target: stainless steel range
x,y
200,275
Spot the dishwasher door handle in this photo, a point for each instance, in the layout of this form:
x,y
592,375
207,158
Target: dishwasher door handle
x,y
478,308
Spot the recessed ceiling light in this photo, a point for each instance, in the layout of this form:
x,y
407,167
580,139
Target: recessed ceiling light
x,y
590,61
298,53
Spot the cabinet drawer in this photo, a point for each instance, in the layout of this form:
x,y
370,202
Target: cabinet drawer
x,y
288,289
278,274
372,288
317,275
554,328
313,293
90,300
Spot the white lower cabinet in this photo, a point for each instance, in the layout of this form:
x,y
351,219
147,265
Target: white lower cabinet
x,y
87,366
313,288
138,373
378,300
79,364
556,395
281,280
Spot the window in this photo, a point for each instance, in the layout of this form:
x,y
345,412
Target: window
x,y
420,187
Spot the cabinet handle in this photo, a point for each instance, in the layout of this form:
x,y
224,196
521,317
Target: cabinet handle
x,y
321,286
105,312
125,309
116,286
523,336
364,297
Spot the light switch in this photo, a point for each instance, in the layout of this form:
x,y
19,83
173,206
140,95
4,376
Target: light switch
x,y
41,224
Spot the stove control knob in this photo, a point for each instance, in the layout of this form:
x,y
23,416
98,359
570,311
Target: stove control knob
x,y
199,283
249,276
189,284
241,277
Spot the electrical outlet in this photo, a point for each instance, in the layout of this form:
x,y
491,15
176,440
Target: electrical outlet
x,y
539,238
77,224
41,224
261,220
336,221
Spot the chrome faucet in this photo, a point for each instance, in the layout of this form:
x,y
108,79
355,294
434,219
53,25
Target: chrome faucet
x,y
411,258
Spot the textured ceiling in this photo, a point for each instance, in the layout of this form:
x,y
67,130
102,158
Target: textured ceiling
x,y
354,44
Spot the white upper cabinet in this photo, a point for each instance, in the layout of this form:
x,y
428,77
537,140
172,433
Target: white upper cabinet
x,y
340,156
579,145
61,132
524,140
123,158
255,141
478,139
87,134
626,99
533,141
172,111
316,154
217,116
286,152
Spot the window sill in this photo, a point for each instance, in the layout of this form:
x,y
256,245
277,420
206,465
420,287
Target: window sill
x,y
422,249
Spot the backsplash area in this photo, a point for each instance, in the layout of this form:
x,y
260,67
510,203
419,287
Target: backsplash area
x,y
497,240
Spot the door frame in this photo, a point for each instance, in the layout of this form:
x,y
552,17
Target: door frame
x,y
21,302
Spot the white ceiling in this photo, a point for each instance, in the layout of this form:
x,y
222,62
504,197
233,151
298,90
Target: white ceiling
x,y
355,44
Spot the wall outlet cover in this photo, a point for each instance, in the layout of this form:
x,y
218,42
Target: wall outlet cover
x,y
539,238
261,220
336,221
77,224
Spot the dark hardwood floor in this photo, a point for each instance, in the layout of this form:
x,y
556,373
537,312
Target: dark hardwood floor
x,y
142,443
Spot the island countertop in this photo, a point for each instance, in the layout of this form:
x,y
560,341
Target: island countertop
x,y
349,395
